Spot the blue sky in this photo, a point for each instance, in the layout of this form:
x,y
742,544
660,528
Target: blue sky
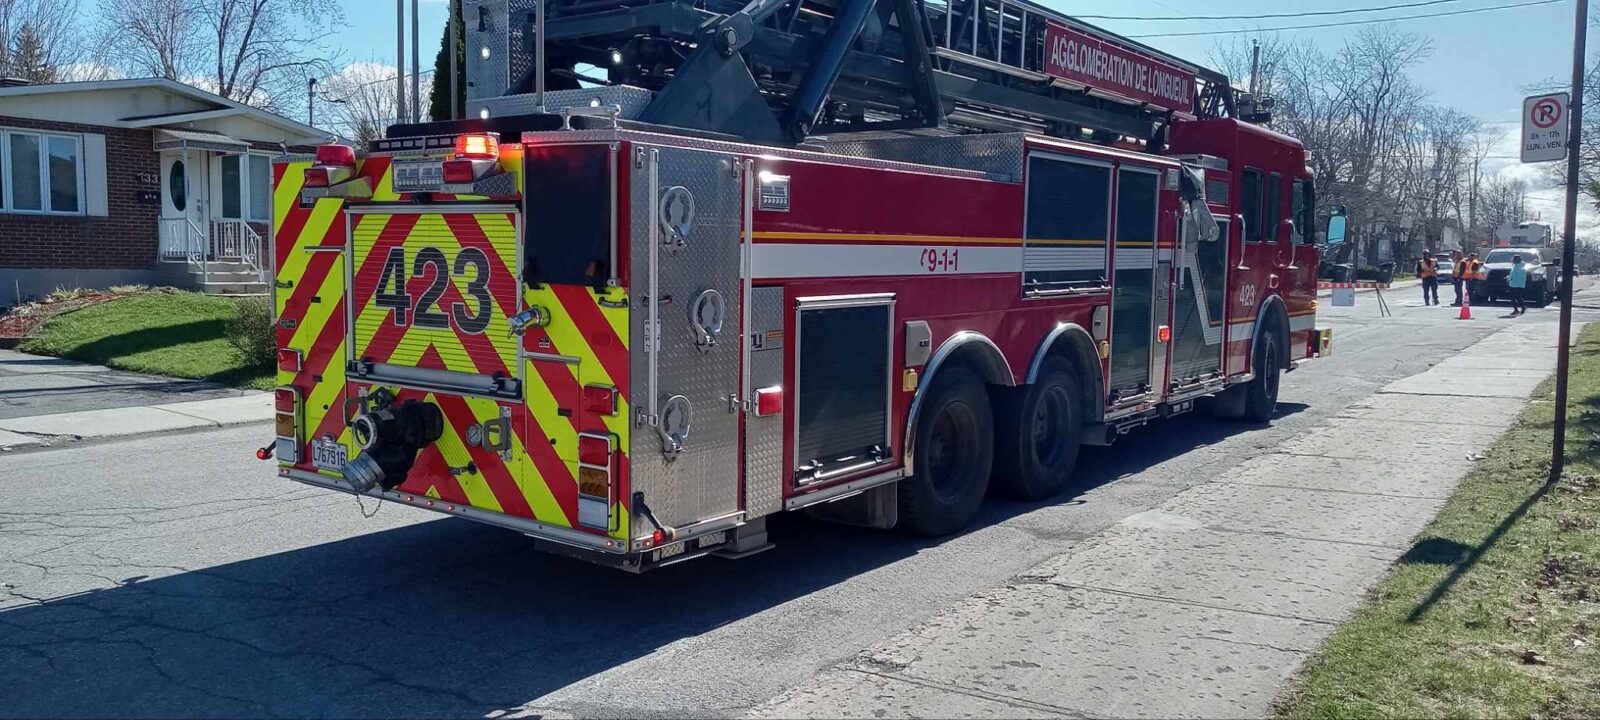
x,y
1482,63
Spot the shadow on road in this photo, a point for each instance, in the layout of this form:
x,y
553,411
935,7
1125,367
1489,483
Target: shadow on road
x,y
443,618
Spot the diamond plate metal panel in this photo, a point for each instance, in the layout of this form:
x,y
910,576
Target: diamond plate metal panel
x,y
998,155
701,481
632,100
764,471
487,24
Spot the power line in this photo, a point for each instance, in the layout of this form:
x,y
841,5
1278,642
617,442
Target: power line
x,y
1350,22
1312,13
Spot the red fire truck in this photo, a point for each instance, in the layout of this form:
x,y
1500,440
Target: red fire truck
x,y
683,265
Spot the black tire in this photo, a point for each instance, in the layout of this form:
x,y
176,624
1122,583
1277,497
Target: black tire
x,y
1543,297
953,457
1037,428
1261,395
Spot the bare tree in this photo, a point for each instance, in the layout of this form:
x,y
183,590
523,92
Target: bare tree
x,y
151,38
259,52
38,38
360,98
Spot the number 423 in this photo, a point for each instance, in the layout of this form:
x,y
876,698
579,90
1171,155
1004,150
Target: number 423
x,y
394,293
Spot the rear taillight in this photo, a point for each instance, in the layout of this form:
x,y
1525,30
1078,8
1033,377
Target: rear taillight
x,y
317,177
594,480
289,359
459,171
600,400
334,164
594,450
286,423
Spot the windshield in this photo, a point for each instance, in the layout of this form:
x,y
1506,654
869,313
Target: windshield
x,y
1530,257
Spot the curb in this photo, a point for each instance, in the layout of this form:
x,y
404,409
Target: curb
x,y
113,423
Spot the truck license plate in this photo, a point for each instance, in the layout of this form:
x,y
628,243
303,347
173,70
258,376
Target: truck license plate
x,y
328,454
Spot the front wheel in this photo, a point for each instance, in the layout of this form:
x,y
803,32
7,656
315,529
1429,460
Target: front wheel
x,y
1261,395
953,457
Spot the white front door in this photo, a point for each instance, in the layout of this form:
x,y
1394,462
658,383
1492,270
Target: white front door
x,y
184,215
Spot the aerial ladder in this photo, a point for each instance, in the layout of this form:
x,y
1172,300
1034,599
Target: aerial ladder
x,y
783,71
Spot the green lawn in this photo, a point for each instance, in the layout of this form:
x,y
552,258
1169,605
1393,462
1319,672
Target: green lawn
x,y
178,334
1495,612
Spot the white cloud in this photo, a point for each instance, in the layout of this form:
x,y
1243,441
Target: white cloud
x,y
87,71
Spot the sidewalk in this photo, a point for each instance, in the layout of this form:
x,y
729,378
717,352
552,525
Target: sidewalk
x,y
1208,604
44,400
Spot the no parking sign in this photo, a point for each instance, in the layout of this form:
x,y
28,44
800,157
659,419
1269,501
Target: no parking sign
x,y
1544,127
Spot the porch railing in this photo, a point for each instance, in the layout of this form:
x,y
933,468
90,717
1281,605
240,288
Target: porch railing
x,y
229,241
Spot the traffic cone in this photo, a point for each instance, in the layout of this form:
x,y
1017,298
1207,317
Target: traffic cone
x,y
1466,309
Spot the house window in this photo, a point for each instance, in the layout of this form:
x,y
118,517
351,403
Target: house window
x,y
246,187
41,173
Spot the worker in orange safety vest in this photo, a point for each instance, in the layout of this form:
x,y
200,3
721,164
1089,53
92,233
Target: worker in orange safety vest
x,y
1428,270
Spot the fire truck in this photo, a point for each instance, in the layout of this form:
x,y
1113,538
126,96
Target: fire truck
x,y
681,265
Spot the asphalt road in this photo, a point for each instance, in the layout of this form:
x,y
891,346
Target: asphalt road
x,y
176,576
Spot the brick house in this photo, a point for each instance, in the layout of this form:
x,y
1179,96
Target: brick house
x,y
136,181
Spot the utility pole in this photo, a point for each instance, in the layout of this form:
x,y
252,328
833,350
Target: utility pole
x,y
1558,443
311,102
399,61
1255,67
416,69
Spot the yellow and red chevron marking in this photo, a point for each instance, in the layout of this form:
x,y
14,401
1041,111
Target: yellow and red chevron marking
x,y
311,296
591,326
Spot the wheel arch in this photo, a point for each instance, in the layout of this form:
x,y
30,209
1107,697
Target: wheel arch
x,y
1272,312
966,348
1075,343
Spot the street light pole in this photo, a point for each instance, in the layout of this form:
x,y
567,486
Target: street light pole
x,y
1558,443
311,102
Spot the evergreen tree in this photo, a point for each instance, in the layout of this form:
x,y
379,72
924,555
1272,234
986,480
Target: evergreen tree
x,y
29,59
439,95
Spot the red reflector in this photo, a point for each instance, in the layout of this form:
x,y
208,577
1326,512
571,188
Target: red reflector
x,y
342,155
482,147
1164,333
459,171
316,177
769,401
289,360
600,399
594,450
285,399
264,453
656,537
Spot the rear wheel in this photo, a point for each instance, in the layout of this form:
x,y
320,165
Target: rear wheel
x,y
954,455
1038,426
1261,395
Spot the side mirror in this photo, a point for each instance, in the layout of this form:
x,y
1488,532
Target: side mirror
x,y
1191,187
1336,229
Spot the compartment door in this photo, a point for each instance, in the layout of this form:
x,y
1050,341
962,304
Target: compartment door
x,y
686,246
1199,307
1133,288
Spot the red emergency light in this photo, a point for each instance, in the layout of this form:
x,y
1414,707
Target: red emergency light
x,y
338,155
334,164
